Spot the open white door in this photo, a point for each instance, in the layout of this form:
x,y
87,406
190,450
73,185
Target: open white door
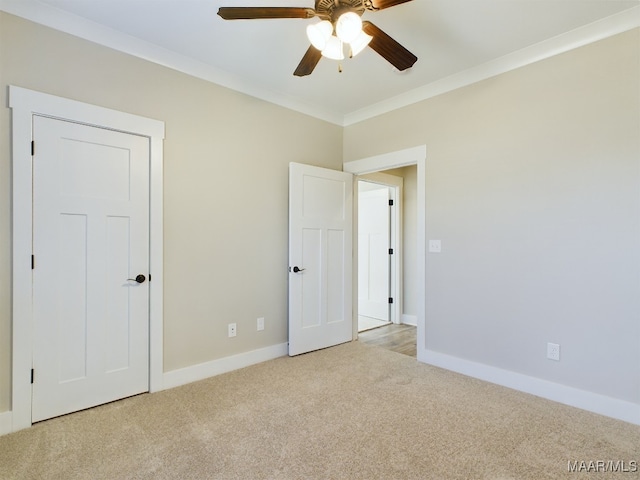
x,y
320,263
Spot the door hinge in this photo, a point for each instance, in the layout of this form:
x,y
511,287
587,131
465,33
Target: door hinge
x,y
391,203
32,375
390,299
391,251
33,262
33,148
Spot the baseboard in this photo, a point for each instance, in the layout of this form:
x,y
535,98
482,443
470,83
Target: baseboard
x,y
593,402
409,320
6,422
182,376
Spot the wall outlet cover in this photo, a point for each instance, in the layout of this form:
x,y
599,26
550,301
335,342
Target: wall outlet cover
x,y
435,246
553,351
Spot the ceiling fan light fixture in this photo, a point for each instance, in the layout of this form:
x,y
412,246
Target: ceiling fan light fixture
x,y
334,49
319,33
348,27
339,22
360,43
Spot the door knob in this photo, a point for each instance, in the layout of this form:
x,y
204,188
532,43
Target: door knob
x,y
296,269
139,278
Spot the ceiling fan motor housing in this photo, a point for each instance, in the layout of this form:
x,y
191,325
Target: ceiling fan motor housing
x,y
332,9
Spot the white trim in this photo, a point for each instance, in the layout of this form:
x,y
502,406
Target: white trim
x,y
156,265
403,158
194,373
593,32
94,32
24,104
593,402
386,161
6,421
409,320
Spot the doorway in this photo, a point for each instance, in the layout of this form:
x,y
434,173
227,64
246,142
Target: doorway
x,y
399,335
379,226
416,158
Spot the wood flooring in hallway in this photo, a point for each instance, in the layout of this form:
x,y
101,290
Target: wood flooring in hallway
x,y
397,338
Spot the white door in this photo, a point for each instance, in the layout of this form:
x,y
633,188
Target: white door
x,y
91,235
320,264
373,251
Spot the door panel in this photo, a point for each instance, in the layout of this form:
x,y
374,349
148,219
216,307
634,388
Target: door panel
x,y
320,237
373,253
117,312
91,234
71,298
336,250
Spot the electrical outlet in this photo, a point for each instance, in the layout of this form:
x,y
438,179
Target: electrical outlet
x,y
260,323
553,351
435,246
232,329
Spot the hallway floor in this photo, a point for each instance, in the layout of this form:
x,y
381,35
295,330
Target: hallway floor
x,y
397,338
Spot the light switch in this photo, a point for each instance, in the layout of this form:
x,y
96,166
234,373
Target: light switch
x,y
435,246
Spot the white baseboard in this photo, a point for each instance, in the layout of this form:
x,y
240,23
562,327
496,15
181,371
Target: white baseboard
x,y
593,402
182,376
409,320
6,422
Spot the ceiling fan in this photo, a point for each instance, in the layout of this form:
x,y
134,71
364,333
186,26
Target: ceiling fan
x,y
340,24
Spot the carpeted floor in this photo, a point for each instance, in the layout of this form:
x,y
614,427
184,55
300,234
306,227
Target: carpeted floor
x,y
350,412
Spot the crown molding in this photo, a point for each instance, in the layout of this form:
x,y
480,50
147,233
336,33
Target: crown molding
x,y
601,29
94,32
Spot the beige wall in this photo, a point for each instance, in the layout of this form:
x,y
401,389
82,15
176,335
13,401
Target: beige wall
x,y
226,159
533,186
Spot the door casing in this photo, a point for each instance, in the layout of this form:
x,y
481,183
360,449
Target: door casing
x,y
25,104
402,158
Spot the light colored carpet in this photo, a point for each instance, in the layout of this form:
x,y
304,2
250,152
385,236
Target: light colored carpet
x,y
350,412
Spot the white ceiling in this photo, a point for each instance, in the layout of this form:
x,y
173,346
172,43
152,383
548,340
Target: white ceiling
x,y
451,38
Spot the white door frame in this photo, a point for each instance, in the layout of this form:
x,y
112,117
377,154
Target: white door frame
x,y
395,185
25,104
403,158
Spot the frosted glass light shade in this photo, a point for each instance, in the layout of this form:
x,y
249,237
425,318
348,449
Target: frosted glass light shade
x,y
360,43
348,26
333,50
319,33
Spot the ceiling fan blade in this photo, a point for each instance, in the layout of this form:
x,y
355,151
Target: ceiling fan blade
x,y
250,13
381,4
308,62
387,47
